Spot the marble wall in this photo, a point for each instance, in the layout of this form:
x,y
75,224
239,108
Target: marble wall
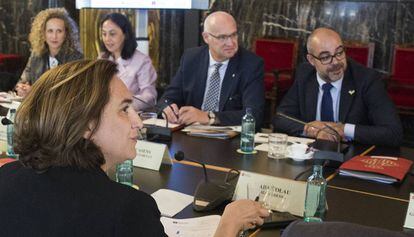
x,y
383,22
15,22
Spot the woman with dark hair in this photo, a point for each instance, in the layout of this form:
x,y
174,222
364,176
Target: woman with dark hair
x,y
59,187
54,40
135,68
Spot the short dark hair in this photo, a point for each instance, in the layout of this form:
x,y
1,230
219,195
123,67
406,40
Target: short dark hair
x,y
129,44
63,104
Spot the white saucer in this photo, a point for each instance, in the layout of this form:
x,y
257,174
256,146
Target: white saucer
x,y
300,157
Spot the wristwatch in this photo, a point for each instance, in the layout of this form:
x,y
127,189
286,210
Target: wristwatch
x,y
212,117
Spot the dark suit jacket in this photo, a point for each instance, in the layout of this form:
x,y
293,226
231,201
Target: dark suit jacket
x,y
69,202
242,85
369,107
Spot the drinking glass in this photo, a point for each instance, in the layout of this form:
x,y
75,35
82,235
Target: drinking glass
x,y
277,145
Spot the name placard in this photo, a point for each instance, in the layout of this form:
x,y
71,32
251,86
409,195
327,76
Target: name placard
x,y
282,195
150,155
409,218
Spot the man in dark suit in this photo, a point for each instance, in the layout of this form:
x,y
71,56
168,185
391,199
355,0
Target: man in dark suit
x,y
333,93
216,83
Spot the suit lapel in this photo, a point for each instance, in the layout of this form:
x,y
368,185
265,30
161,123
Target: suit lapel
x,y
201,78
311,97
230,79
348,93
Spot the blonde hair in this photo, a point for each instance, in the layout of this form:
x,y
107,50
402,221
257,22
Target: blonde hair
x,y
37,32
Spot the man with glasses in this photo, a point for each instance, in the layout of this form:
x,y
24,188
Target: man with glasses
x,y
338,98
217,82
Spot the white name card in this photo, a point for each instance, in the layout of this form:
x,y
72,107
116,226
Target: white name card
x,y
283,195
150,155
409,218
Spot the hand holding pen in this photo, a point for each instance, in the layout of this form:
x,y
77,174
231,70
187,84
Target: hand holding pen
x,y
319,129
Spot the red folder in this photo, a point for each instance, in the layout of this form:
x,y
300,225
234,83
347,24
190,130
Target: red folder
x,y
394,167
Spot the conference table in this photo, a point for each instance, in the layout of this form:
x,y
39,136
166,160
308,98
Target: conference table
x,y
349,199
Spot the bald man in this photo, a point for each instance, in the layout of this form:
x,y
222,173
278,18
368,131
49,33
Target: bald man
x,y
332,92
216,83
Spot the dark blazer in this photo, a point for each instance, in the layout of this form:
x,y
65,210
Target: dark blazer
x,y
69,202
242,85
363,102
39,64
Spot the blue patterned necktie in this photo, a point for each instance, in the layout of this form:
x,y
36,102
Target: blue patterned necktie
x,y
213,91
326,104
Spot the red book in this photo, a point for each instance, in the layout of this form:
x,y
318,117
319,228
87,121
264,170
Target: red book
x,y
384,169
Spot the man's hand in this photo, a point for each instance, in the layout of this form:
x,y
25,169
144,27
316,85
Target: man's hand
x,y
172,113
311,129
339,128
323,130
189,115
23,89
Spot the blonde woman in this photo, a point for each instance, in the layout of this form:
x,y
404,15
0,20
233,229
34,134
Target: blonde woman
x,y
54,38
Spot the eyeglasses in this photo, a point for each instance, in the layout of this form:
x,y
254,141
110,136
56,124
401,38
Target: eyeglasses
x,y
223,38
327,59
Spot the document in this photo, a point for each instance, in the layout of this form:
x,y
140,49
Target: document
x,y
220,132
171,202
200,226
162,123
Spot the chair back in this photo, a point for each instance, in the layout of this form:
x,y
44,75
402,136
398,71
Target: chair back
x,y
403,65
361,52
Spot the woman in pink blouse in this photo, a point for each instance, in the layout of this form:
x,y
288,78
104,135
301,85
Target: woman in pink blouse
x,y
135,68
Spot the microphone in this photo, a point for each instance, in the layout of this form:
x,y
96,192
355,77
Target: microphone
x,y
325,150
6,121
179,155
210,194
156,133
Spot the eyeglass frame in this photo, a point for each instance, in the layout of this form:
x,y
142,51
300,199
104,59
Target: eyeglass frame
x,y
223,38
336,55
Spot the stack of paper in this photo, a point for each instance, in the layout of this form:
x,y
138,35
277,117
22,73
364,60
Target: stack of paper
x,y
220,132
368,176
162,123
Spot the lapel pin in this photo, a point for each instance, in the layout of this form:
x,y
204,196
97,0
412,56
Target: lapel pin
x,y
233,75
351,92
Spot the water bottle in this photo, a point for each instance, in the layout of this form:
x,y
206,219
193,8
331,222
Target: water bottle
x,y
247,132
10,131
125,173
315,201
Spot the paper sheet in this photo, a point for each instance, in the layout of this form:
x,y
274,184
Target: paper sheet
x,y
171,202
201,226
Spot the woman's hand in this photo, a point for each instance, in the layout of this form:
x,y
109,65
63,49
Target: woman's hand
x,y
23,89
240,215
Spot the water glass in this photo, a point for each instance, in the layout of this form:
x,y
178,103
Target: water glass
x,y
125,173
149,118
277,145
